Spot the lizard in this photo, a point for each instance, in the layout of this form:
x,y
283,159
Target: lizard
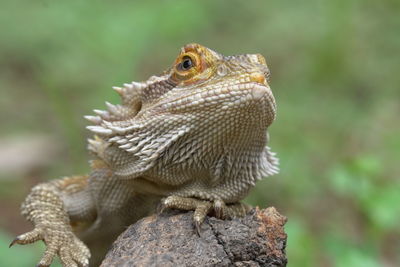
x,y
193,138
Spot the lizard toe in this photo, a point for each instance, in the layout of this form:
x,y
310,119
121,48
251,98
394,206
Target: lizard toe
x,y
66,257
28,238
49,254
219,209
80,253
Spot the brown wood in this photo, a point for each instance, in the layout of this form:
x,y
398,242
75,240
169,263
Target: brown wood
x,y
169,239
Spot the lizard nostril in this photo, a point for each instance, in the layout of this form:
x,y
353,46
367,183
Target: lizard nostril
x,y
257,77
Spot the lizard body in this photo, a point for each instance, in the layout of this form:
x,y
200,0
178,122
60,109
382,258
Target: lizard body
x,y
193,138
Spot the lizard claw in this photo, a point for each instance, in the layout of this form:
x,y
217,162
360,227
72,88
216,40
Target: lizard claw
x,y
61,242
160,208
13,242
203,207
200,213
28,238
219,209
198,228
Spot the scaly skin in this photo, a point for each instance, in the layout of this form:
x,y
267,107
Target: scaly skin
x,y
193,138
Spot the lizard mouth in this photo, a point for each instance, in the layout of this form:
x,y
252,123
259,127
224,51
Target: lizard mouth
x,y
263,100
259,91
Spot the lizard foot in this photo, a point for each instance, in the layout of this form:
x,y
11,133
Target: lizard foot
x,y
204,207
64,243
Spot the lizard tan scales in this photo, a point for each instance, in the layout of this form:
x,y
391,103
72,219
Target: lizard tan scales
x,y
194,138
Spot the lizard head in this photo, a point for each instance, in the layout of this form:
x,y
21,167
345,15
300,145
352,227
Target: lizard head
x,y
203,76
199,80
196,64
200,69
202,91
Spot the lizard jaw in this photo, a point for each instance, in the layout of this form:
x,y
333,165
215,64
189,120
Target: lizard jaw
x,y
259,91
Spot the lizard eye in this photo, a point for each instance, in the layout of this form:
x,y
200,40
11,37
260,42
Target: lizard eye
x,y
188,66
186,63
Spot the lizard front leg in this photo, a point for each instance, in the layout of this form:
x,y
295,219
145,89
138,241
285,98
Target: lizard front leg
x,y
204,207
45,207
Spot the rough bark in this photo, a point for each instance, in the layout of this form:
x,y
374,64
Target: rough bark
x,y
169,239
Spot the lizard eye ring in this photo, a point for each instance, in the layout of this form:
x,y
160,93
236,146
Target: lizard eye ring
x,y
189,66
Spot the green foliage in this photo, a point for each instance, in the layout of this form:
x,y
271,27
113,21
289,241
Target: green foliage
x,y
334,71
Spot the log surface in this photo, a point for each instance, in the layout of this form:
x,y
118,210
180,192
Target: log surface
x,y
169,239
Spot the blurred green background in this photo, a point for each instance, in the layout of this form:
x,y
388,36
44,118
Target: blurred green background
x,y
335,74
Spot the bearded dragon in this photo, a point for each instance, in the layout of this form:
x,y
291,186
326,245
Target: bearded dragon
x,y
193,138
